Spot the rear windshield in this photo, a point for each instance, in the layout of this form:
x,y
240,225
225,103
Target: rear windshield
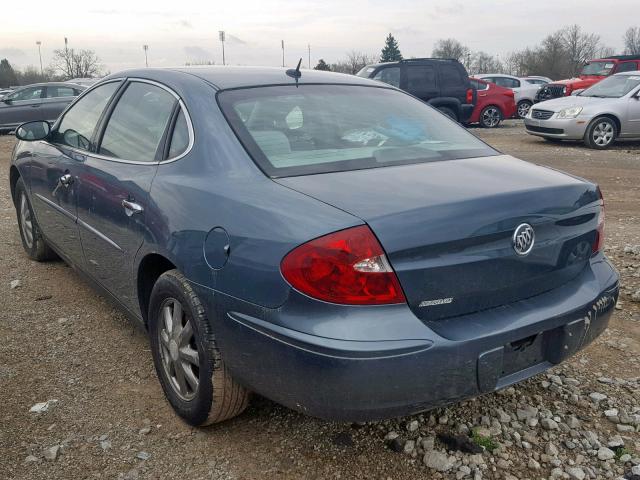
x,y
291,130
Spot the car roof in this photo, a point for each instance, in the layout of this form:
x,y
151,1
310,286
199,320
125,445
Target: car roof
x,y
226,77
481,75
49,84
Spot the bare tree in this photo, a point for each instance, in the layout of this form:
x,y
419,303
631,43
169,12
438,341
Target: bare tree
x,y
579,47
76,64
482,62
451,48
631,40
356,61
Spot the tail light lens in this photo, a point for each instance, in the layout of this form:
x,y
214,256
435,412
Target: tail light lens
x,y
598,244
469,95
346,267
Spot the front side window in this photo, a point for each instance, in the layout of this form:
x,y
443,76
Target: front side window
x,y
328,128
615,86
53,92
78,124
390,75
627,67
137,123
32,93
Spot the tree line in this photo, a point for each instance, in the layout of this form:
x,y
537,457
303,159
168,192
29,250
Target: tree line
x,y
559,55
67,63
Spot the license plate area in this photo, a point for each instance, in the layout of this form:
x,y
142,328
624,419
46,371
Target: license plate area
x,y
523,354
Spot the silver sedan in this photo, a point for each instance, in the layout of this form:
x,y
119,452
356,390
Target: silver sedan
x,y
599,115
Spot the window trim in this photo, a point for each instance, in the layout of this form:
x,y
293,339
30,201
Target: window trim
x,y
113,101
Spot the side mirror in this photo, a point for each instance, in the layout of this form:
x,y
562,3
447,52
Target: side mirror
x,y
32,131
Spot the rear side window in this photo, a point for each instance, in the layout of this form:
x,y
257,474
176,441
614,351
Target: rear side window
x,y
53,92
450,74
506,82
179,137
78,124
137,123
421,77
390,75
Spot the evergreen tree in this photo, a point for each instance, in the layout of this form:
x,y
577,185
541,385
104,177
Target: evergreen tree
x,y
391,51
322,65
7,75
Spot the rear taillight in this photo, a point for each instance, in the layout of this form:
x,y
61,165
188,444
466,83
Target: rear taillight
x,y
347,267
469,95
598,244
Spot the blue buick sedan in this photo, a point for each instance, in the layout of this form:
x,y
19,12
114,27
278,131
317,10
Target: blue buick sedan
x,y
324,240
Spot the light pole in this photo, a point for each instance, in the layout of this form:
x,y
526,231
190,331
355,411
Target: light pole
x,y
309,52
146,59
38,42
282,41
221,34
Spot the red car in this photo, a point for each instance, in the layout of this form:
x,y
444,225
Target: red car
x,y
493,104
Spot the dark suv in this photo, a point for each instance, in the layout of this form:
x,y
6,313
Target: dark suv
x,y
441,82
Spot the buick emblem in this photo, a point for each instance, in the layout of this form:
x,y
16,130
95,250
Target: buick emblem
x,y
523,239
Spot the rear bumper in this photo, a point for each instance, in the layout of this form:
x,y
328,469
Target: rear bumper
x,y
437,364
466,109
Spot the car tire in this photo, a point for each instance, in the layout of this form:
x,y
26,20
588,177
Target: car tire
x,y
490,117
184,349
33,242
523,108
449,113
601,133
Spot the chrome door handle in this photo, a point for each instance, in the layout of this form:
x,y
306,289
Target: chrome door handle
x,y
66,180
131,208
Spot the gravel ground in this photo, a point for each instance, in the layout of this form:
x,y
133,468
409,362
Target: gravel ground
x,y
107,418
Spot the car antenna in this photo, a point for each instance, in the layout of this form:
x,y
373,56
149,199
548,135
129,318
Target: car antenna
x,y
295,73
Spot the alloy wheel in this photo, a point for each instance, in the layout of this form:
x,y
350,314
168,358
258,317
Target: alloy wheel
x,y
179,349
26,222
523,109
490,117
603,134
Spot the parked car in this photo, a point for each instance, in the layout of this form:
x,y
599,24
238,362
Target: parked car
x,y
5,91
593,72
524,91
537,80
441,82
327,241
599,115
35,102
494,104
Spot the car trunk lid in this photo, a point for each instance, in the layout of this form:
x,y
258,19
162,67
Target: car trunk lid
x,y
447,227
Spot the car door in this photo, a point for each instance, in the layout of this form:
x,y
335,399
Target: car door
x,y
115,181
420,80
633,114
56,99
22,106
55,165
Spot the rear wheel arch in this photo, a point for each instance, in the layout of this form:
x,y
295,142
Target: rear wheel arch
x,y
149,270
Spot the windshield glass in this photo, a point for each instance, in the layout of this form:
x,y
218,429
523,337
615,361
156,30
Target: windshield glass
x,y
291,130
613,87
597,68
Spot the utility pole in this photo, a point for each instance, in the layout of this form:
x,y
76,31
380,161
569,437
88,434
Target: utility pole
x,y
221,33
146,59
38,42
309,52
282,41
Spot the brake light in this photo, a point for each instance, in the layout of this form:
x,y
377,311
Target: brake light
x,y
469,95
347,267
598,244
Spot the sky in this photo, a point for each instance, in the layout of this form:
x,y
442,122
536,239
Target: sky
x,y
187,31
